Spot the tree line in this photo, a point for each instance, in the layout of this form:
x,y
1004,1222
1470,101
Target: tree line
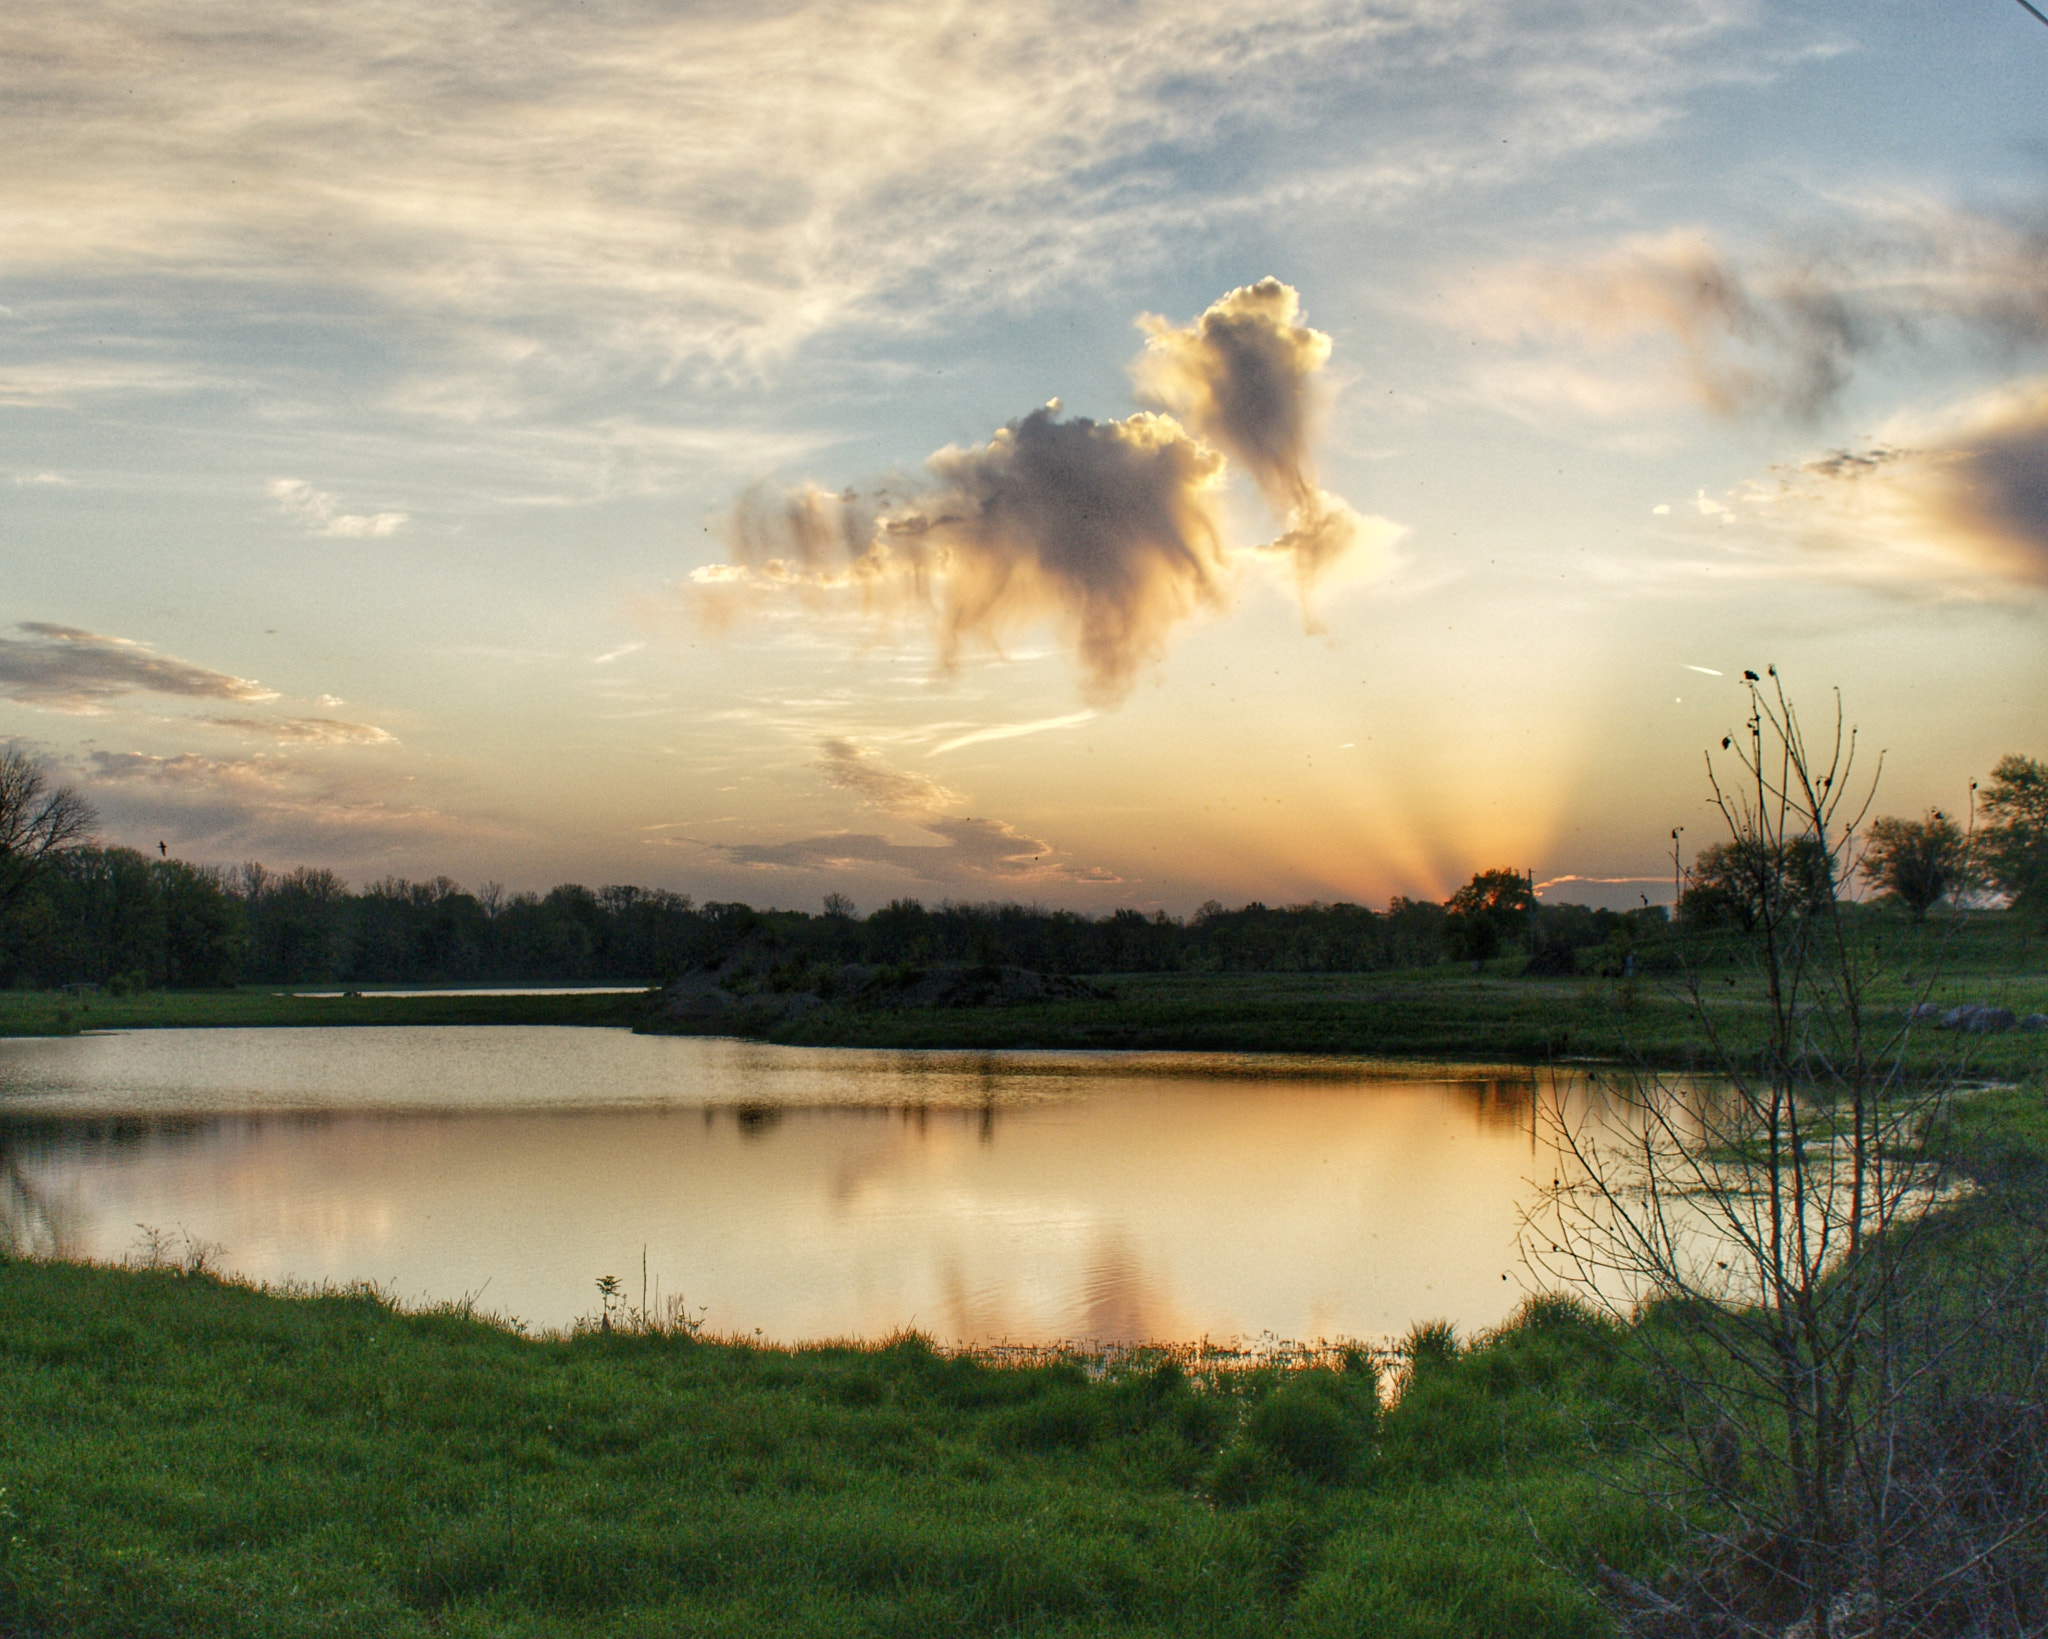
x,y
73,911
111,916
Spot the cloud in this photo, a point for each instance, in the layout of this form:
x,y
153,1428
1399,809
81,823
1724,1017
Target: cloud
x,y
48,383
318,512
967,848
263,805
684,170
71,670
1782,344
1777,332
1949,505
1108,530
1009,731
858,769
1242,377
307,730
970,848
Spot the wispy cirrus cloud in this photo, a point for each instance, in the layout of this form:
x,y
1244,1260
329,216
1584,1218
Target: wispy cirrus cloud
x,y
1953,504
967,849
1009,731
271,806
681,171
326,731
1617,329
858,769
67,669
318,512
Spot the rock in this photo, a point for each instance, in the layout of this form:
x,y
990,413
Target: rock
x,y
956,984
750,992
2034,1021
1978,1018
697,996
1924,1013
1851,1616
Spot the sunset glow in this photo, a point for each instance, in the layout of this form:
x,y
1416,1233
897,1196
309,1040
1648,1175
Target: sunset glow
x,y
1092,456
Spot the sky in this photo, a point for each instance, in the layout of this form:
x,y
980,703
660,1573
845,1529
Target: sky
x,y
1092,454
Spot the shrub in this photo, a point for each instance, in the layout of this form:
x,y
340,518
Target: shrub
x,y
1067,1418
1317,1424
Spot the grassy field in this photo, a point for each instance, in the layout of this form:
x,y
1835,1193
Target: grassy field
x,y
193,1458
50,1013
1446,1011
189,1457
185,1456
1438,1012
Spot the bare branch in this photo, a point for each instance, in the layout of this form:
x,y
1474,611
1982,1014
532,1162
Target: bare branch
x,y
37,822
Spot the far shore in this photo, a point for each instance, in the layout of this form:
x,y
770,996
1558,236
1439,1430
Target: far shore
x,y
1437,1013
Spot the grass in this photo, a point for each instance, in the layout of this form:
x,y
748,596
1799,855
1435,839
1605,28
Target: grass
x,y
53,1013
1438,1012
186,1456
1497,1017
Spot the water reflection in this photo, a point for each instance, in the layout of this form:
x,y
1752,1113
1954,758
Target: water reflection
x,y
809,1193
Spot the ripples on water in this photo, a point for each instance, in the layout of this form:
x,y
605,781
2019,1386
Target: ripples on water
x,y
807,1193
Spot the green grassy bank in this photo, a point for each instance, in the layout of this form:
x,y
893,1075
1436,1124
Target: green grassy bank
x,y
1496,1017
193,1458
53,1013
185,1456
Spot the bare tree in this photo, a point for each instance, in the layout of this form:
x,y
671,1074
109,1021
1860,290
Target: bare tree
x,y
1763,1227
1918,862
37,821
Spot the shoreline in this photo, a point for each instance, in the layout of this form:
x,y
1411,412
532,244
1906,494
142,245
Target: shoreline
x,y
1441,1015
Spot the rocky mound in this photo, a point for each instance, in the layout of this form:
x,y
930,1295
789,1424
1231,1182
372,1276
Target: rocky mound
x,y
746,993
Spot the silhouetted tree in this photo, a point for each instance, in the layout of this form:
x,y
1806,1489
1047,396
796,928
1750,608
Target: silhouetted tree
x,y
38,822
1489,910
1738,883
1917,862
2015,834
204,933
301,924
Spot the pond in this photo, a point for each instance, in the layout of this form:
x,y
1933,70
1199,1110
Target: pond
x,y
1023,1197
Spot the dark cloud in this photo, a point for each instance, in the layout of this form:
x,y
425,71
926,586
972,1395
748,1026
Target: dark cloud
x,y
1960,509
1243,377
73,670
967,848
1782,343
1108,530
1997,490
1106,527
1783,331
